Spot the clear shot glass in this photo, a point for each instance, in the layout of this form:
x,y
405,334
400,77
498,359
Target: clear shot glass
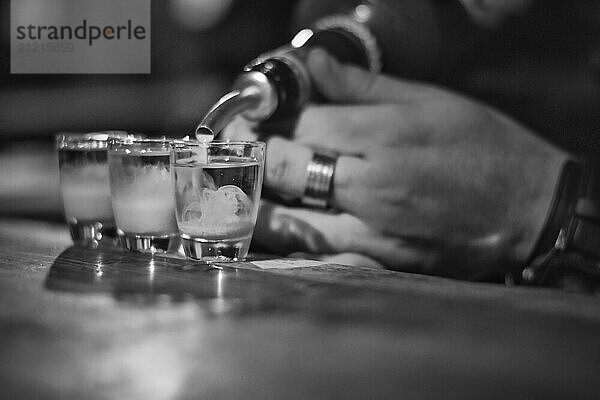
x,y
84,186
142,194
217,191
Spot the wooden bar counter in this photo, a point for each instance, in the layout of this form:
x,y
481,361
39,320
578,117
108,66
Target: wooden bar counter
x,y
107,324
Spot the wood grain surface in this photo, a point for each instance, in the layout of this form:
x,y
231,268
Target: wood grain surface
x,y
107,324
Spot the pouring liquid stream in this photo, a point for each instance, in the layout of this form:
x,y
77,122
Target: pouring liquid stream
x,y
204,135
216,119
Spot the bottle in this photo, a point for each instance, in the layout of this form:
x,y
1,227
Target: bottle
x,y
408,38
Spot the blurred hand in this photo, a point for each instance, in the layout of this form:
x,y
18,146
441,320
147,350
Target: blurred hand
x,y
427,180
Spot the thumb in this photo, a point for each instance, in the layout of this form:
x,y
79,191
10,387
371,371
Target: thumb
x,y
344,83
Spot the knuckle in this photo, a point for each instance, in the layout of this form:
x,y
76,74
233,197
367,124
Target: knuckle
x,y
285,166
277,170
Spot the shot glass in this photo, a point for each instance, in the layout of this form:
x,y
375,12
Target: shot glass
x,y
85,186
142,194
217,190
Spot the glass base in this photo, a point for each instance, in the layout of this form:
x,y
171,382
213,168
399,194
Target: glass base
x,y
92,234
149,243
222,250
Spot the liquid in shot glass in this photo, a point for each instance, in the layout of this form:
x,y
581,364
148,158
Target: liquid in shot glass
x,y
217,192
142,194
85,188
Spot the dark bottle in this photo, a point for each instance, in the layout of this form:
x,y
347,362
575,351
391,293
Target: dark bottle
x,y
409,38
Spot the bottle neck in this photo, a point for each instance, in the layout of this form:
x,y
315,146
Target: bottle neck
x,y
285,67
277,84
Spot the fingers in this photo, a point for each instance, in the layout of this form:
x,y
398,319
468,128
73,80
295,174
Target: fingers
x,y
350,84
280,231
285,166
284,230
348,178
340,129
285,172
286,162
355,129
347,130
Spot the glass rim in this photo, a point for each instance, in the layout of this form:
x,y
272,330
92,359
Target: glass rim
x,y
219,143
87,141
141,146
257,148
99,136
136,140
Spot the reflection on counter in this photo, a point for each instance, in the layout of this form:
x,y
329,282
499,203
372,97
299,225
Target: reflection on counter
x,y
147,279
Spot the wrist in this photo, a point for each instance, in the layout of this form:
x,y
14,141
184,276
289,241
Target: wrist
x,y
569,243
534,207
561,209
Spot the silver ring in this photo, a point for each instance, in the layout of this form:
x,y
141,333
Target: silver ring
x,y
319,183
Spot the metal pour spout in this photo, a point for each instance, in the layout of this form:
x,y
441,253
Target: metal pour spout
x,y
253,97
228,106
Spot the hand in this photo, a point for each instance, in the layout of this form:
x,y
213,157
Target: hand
x,y
427,180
